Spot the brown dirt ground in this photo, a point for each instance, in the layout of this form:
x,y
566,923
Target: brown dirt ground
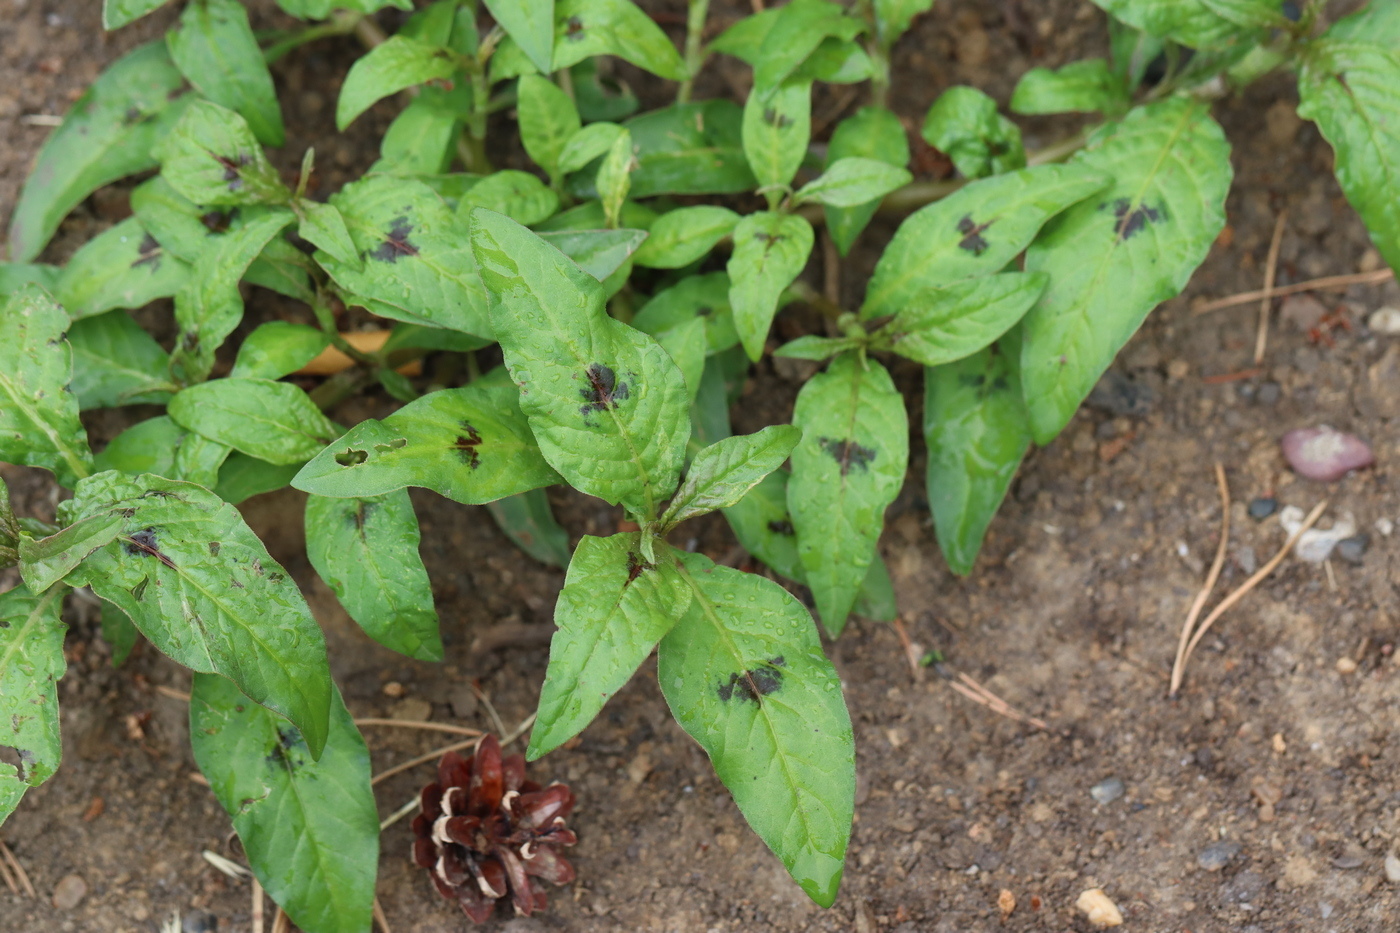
x,y
1072,614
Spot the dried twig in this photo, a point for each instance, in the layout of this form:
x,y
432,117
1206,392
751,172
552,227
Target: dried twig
x,y
512,635
379,917
171,692
9,879
257,907
981,695
1243,589
411,724
20,874
911,651
281,923
433,755
398,814
227,866
1261,338
490,710
1204,594
1326,283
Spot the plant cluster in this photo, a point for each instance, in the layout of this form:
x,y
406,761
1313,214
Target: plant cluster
x,y
628,295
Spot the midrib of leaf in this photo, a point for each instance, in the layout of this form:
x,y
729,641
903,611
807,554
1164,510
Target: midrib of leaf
x,y
1372,131
841,489
121,368
310,833
79,469
247,415
23,634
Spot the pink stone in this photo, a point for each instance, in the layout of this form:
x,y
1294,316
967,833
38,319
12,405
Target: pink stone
x,y
1325,454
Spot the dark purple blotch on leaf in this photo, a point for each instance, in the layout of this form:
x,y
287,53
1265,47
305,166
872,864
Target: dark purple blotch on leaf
x,y
1133,219
848,453
604,390
467,445
396,244
754,684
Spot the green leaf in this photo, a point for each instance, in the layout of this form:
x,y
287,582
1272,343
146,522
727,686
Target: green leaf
x,y
586,144
977,431
600,253
39,423
614,180
893,18
1133,51
422,138
108,134
367,552
704,296
527,519
548,121
31,664
242,477
777,128
1189,22
44,562
812,347
853,181
531,24
1352,91
949,322
601,96
744,675
847,469
584,28
115,362
1113,258
201,586
119,633
690,149
418,266
519,195
214,48
276,348
273,421
397,63
605,401
210,307
685,344
613,610
213,158
976,230
1088,86
1377,23
117,13
964,124
589,216
471,445
682,236
432,24
722,473
309,828
872,133
146,447
770,251
323,227
198,460
122,267
794,34
14,275
404,336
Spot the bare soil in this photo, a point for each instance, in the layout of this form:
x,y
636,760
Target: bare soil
x,y
1283,740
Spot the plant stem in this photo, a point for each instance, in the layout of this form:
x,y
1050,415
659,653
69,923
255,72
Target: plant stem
x,y
694,46
342,22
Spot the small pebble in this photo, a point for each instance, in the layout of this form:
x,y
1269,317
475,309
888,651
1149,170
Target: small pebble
x,y
1262,508
1385,321
1217,855
1269,393
1098,909
1346,665
1385,526
1325,454
1392,869
1107,791
200,921
1352,549
69,891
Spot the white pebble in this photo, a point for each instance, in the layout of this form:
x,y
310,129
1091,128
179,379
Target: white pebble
x,y
1385,321
1385,526
1315,545
1098,909
1392,869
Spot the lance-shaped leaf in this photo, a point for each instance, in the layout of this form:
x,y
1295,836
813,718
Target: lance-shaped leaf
x,y
107,135
1112,258
1189,22
777,128
950,322
1376,23
694,148
39,423
704,296
964,124
744,675
853,181
812,347
122,267
600,253
872,133
613,610
722,473
309,827
1352,91
1252,14
273,421
548,120
605,401
585,28
527,519
14,275
1086,86
117,13
470,444
200,585
45,561
323,227
213,158
681,236
209,307
417,264
847,469
893,18
587,144
422,138
977,432
115,362
531,24
214,48
198,460
519,195
770,250
685,344
975,231
31,663
794,34
614,178
367,552
242,477
397,63
276,348
146,447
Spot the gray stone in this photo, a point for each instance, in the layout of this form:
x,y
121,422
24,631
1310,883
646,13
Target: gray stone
x,y
1262,508
1269,393
1217,855
1353,549
1107,790
1245,888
